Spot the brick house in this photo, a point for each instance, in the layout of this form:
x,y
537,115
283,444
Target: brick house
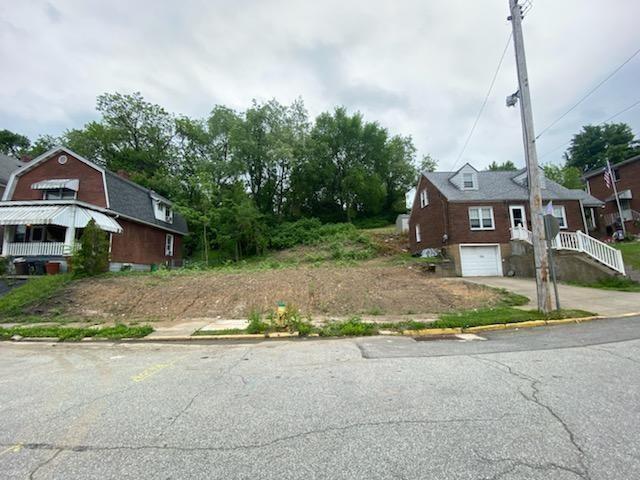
x,y
473,215
49,200
627,180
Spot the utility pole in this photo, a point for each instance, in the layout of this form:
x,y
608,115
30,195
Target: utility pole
x,y
535,196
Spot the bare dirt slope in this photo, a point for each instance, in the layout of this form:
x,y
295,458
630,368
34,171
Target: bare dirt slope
x,y
368,288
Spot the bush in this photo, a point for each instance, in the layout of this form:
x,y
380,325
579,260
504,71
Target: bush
x,y
256,325
309,231
92,256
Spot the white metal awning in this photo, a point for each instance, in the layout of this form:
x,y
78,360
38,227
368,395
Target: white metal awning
x,y
622,195
63,215
53,184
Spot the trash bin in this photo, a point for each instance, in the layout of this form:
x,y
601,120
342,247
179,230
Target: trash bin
x,y
36,267
52,268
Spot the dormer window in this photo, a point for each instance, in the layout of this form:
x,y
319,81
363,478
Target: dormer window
x,y
468,181
162,211
59,194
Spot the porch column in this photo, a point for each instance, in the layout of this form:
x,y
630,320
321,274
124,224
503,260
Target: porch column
x,y
6,238
69,239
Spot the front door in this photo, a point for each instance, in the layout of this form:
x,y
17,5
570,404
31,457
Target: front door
x,y
518,218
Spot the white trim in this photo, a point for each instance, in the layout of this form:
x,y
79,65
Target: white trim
x,y
474,181
564,216
524,215
90,206
499,260
418,233
169,245
481,227
424,198
8,193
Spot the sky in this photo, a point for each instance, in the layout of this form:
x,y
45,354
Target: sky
x,y
418,67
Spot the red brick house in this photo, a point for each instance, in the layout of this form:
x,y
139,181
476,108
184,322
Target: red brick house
x,y
473,215
627,182
49,200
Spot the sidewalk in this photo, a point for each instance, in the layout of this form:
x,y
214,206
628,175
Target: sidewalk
x,y
609,303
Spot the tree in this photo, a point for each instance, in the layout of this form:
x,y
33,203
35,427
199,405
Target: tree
x,y
595,144
92,256
569,177
428,164
13,144
42,144
507,166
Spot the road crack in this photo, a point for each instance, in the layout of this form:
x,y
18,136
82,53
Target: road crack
x,y
534,397
40,466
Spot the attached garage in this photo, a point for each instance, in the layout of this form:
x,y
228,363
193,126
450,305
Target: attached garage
x,y
480,260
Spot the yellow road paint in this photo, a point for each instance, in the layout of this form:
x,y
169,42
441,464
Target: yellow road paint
x,y
154,369
13,448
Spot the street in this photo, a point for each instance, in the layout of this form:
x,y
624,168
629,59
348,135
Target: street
x,y
560,402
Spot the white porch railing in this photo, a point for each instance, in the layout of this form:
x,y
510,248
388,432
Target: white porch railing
x,y
15,249
579,242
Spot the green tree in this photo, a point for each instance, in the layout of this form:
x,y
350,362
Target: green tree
x,y
428,164
595,144
92,255
13,144
569,177
507,166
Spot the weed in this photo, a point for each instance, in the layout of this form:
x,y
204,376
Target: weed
x,y
116,332
34,291
256,325
354,327
488,316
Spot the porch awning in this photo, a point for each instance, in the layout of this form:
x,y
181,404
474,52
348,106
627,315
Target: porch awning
x,y
69,183
622,195
63,215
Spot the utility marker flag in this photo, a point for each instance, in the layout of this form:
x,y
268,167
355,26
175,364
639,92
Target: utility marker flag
x,y
549,209
608,176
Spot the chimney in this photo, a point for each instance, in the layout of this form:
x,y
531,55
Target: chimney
x,y
26,158
123,174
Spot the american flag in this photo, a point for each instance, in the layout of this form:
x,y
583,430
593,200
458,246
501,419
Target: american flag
x,y
608,176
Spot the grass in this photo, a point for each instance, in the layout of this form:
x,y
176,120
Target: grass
x,y
34,291
630,252
225,331
489,316
510,299
116,332
354,327
621,284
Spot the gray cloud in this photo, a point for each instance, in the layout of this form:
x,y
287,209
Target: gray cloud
x,y
419,68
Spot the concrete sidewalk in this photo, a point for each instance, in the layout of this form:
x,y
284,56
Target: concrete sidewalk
x,y
602,302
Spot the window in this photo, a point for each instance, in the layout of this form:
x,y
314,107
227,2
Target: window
x,y
418,237
481,218
424,198
168,214
561,215
468,181
59,194
162,211
616,174
37,234
168,245
591,218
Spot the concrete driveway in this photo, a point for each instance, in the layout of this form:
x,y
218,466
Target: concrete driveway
x,y
602,302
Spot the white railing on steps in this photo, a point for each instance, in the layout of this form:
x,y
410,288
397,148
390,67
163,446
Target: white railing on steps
x,y
579,242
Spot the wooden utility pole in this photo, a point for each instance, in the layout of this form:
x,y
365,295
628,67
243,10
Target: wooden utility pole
x,y
531,156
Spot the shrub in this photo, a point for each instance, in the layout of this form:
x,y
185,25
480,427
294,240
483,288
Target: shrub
x,y
92,255
256,325
354,327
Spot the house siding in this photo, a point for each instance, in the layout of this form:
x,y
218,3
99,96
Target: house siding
x,y
452,218
91,186
142,244
629,180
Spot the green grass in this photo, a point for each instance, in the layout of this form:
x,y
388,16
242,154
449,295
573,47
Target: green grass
x,y
354,327
510,299
226,331
116,332
489,316
630,252
34,291
621,284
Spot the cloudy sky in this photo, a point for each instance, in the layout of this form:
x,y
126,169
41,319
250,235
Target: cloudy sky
x,y
419,67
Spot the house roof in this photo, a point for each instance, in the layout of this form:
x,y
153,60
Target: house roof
x,y
133,200
7,166
598,171
501,185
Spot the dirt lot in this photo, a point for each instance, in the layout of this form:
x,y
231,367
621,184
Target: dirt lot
x,y
368,288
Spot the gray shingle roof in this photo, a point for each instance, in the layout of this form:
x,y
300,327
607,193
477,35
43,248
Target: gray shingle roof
x,y
134,201
7,166
498,186
598,171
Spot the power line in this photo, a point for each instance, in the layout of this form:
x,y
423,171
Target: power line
x,y
588,94
484,102
635,104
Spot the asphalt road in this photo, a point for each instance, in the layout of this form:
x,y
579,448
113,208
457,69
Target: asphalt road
x,y
545,403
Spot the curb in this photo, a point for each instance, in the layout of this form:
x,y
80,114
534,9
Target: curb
x,y
286,335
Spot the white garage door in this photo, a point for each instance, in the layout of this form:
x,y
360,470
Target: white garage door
x,y
480,261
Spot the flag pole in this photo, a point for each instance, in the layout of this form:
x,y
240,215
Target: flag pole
x,y
615,192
